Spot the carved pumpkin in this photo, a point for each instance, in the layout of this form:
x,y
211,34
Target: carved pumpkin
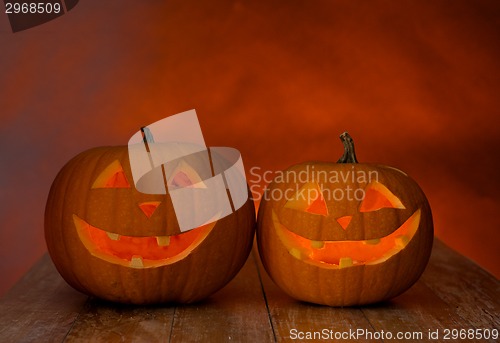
x,y
344,233
111,241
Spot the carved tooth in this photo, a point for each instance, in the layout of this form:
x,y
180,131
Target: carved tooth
x,y
163,241
317,244
372,241
295,253
136,262
345,262
401,241
113,236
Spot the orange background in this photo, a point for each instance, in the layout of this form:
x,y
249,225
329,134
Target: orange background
x,y
415,83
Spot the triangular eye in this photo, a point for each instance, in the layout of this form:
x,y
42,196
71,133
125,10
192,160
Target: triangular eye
x,y
185,176
378,196
309,199
112,177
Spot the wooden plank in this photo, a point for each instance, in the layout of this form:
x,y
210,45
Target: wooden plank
x,y
291,318
441,300
463,285
110,322
41,307
453,293
415,313
236,313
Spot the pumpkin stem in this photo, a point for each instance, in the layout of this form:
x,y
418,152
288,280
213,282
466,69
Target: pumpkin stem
x,y
147,136
349,155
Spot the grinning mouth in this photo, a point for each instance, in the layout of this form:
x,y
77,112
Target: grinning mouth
x,y
139,252
342,254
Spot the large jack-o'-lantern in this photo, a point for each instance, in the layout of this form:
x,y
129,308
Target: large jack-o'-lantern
x,y
344,233
111,241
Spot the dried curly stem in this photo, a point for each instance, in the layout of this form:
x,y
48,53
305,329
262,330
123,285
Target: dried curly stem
x,y
349,155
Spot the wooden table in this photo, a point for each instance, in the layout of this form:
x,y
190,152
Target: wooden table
x,y
453,293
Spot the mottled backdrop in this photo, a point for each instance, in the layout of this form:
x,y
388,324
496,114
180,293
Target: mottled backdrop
x,y
416,83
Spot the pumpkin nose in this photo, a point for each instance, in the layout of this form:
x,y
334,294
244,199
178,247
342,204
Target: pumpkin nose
x,y
344,221
149,207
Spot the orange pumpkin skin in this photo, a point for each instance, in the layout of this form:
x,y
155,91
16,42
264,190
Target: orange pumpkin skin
x,y
295,245
194,265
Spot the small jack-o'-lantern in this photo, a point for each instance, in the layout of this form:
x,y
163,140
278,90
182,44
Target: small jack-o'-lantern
x,y
111,241
344,233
